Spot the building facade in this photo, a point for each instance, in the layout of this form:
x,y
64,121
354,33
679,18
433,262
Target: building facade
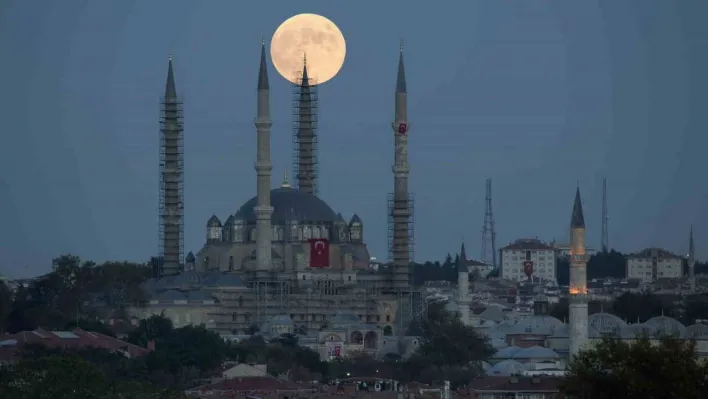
x,y
522,253
651,264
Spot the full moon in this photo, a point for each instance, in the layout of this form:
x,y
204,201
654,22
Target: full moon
x,y
312,36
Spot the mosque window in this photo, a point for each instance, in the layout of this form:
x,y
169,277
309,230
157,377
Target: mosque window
x,y
231,263
206,262
388,317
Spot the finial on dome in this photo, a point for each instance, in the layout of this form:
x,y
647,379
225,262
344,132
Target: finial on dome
x,y
304,59
262,40
285,182
169,55
401,45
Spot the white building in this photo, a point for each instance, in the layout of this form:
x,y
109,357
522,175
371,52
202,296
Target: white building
x,y
524,252
651,264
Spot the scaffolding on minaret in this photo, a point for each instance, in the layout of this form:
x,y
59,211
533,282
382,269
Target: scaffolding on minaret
x,y
171,193
604,239
489,235
305,107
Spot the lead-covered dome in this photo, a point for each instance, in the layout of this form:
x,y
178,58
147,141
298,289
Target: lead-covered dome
x,y
290,204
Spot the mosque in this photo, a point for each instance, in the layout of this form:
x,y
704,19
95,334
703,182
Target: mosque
x,y
285,261
540,344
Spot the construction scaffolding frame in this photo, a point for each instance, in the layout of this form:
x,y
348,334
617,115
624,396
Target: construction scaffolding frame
x,y
270,294
171,191
305,121
401,238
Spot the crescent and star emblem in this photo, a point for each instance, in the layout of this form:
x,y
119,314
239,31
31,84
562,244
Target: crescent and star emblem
x,y
319,244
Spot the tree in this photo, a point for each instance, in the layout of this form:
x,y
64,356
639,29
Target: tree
x,y
5,306
447,341
617,369
70,377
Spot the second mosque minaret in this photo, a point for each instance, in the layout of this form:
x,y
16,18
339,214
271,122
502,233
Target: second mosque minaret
x,y
578,280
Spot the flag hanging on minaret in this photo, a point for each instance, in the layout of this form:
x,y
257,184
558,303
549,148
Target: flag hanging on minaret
x,y
319,252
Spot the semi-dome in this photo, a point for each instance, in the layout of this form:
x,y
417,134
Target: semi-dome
x,y
290,204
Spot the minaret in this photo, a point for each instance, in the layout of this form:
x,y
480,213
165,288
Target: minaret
x,y
171,231
400,208
578,280
463,286
304,135
263,209
691,262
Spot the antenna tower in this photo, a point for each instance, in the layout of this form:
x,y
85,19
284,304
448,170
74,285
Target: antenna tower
x,y
604,242
489,248
305,106
171,194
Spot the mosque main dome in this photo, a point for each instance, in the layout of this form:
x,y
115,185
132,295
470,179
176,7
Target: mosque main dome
x,y
290,204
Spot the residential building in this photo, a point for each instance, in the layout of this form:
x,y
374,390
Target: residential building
x,y
651,264
528,255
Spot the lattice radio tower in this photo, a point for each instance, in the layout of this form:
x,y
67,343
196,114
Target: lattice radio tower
x,y
604,240
489,236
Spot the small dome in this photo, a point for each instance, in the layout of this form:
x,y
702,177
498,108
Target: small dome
x,y
355,220
506,353
506,367
190,258
290,204
665,326
696,331
606,324
229,221
214,221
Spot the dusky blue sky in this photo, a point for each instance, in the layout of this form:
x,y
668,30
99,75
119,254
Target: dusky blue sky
x,y
534,94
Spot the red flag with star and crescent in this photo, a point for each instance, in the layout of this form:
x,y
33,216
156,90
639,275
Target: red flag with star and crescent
x,y
319,252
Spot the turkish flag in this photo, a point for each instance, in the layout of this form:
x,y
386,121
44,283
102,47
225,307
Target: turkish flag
x,y
319,252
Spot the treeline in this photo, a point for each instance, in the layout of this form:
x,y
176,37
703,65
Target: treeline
x,y
74,290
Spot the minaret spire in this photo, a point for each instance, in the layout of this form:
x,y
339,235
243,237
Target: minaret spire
x,y
578,302
305,132
171,195
401,76
400,207
263,209
170,88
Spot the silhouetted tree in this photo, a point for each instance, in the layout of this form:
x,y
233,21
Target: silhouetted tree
x,y
617,369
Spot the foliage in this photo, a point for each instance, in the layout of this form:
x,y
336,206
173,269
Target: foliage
x,y
75,290
68,377
617,369
5,306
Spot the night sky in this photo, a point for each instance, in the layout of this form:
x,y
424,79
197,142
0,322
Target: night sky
x,y
535,94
